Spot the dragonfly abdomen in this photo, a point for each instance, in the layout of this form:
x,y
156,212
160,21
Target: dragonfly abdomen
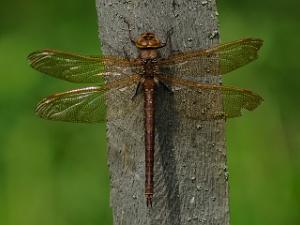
x,y
149,109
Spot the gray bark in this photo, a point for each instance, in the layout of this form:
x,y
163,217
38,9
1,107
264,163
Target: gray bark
x,y
190,175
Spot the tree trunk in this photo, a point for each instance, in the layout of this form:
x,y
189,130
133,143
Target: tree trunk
x,y
190,173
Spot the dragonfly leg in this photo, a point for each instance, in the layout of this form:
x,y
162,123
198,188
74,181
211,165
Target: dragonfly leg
x,y
137,90
166,87
129,31
168,38
126,54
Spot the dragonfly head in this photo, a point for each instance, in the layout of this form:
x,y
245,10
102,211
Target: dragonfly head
x,y
148,40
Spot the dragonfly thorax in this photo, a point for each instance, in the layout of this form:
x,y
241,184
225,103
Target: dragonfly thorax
x,y
148,55
150,68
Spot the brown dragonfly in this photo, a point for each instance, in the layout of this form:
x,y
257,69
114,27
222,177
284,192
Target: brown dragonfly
x,y
147,72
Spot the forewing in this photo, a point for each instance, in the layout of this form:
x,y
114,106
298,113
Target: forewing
x,y
217,60
209,102
80,105
80,69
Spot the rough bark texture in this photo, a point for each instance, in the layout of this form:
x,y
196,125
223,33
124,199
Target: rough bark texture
x,y
190,175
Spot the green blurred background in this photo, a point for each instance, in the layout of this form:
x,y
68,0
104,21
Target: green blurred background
x,y
56,173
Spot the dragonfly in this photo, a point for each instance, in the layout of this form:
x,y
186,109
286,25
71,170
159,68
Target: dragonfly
x,y
147,72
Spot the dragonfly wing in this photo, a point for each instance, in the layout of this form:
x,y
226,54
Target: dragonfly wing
x,y
80,105
234,100
209,101
77,68
217,60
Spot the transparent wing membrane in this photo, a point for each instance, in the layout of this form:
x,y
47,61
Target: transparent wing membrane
x,y
80,105
209,101
77,68
213,61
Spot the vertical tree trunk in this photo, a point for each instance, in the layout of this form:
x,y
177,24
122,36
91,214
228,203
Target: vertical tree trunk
x,y
190,181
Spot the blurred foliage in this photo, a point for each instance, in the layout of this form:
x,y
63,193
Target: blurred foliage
x,y
56,173
264,156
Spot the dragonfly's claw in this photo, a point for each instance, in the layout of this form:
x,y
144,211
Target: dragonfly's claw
x,y
149,200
